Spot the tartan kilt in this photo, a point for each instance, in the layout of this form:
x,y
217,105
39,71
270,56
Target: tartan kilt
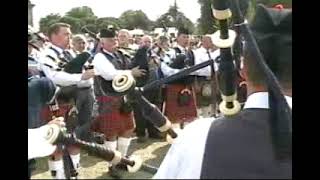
x,y
46,114
173,110
110,120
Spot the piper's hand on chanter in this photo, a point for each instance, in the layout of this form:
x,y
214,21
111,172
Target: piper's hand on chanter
x,y
136,72
88,74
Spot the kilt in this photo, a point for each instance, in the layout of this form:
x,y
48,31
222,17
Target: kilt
x,y
173,110
110,120
46,114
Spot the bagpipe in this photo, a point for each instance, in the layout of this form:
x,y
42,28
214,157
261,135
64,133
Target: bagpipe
x,y
58,135
75,65
125,85
68,135
69,169
281,113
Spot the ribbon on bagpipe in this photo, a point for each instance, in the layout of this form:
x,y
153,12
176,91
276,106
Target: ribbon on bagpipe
x,y
281,113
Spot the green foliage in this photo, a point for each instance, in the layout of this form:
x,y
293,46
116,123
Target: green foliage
x,y
134,19
106,21
206,22
83,16
81,12
174,18
75,23
47,21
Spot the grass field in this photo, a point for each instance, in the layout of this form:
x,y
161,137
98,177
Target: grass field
x,y
152,152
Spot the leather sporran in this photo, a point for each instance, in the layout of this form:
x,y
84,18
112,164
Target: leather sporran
x,y
184,97
125,107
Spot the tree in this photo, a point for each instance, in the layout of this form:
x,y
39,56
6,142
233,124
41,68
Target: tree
x,y
134,19
106,21
47,21
79,17
75,23
174,18
81,12
206,22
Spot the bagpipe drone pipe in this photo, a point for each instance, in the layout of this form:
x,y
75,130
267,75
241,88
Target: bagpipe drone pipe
x,y
69,136
125,85
59,136
74,66
281,113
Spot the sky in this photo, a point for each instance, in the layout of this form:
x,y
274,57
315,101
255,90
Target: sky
x,y
114,8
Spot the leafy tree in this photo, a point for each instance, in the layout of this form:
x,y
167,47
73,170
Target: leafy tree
x,y
134,19
206,22
174,18
106,21
45,22
75,23
81,12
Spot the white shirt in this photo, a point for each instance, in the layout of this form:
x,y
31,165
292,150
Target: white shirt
x,y
167,58
58,77
201,55
104,68
164,65
184,158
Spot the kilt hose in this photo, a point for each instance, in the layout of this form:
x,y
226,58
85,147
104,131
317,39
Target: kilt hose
x,y
110,120
173,110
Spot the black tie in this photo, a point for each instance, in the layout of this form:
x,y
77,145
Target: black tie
x,y
116,56
67,55
209,55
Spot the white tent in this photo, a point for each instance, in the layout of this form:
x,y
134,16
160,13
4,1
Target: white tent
x,y
138,32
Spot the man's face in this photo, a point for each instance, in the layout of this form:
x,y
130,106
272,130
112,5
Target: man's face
x,y
79,45
138,40
207,42
164,45
146,41
123,37
183,40
62,38
109,44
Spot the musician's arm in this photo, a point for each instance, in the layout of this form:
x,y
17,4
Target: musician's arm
x,y
199,58
59,77
105,68
184,158
168,71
